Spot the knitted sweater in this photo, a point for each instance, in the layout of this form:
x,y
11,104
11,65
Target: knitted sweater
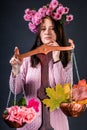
x,y
30,78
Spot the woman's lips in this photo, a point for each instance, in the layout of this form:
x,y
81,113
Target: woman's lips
x,y
47,38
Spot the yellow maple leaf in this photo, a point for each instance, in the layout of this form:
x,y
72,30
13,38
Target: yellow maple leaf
x,y
67,90
55,97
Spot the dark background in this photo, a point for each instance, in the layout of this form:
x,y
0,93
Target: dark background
x,y
14,32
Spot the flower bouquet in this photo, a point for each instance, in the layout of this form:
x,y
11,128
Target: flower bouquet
x,y
71,99
17,116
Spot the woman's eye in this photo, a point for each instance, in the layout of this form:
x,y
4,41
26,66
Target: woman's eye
x,y
52,28
43,29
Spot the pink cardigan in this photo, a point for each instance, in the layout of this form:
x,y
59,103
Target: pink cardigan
x,y
30,78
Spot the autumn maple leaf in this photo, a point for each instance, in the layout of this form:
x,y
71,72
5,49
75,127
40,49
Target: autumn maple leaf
x,y
55,97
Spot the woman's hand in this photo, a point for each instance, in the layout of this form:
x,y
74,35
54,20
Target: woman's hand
x,y
15,62
55,54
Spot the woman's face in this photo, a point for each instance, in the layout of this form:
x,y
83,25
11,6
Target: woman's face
x,y
47,33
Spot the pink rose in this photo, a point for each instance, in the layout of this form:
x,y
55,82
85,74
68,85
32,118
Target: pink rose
x,y
21,114
30,115
33,103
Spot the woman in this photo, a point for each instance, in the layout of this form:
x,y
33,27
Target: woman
x,y
27,73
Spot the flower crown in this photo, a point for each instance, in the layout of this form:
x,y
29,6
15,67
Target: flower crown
x,y
54,9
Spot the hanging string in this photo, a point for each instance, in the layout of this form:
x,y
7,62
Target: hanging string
x,y
76,68
14,84
72,57
9,96
72,54
73,61
8,100
23,90
15,95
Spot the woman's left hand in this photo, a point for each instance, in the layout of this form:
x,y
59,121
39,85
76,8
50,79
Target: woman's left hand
x,y
55,54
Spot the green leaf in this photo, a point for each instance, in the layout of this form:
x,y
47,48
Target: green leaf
x,y
63,19
55,97
22,102
5,112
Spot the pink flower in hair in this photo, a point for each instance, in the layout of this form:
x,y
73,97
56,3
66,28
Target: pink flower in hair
x,y
27,11
53,4
29,14
42,11
69,17
54,9
36,19
32,27
60,10
49,11
65,10
33,12
57,16
27,17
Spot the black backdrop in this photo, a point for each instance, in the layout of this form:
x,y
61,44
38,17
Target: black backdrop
x,y
14,32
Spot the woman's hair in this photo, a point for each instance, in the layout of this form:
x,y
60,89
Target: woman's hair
x,y
61,40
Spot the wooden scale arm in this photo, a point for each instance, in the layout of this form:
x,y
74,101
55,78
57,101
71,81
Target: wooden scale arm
x,y
45,49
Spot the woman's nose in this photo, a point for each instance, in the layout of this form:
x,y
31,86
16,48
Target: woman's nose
x,y
47,31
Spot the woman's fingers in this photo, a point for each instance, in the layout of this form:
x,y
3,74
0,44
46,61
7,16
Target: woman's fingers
x,y
70,40
16,51
53,43
55,54
15,60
